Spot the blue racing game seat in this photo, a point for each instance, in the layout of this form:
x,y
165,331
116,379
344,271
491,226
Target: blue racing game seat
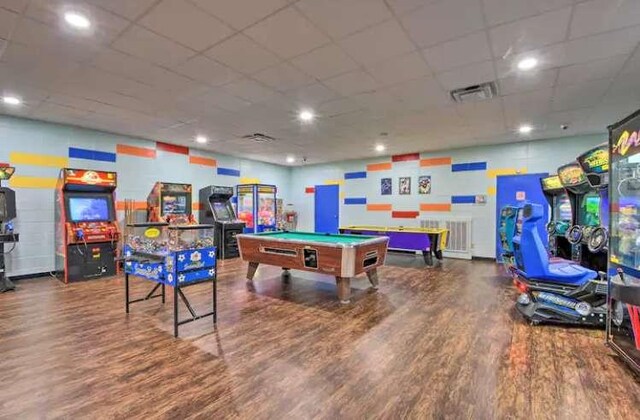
x,y
532,257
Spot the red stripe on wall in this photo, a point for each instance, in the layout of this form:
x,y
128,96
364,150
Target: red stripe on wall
x,y
405,214
172,148
310,190
3,165
405,158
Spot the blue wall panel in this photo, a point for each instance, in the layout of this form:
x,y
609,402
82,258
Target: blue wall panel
x,y
355,175
87,154
228,172
355,200
463,199
469,166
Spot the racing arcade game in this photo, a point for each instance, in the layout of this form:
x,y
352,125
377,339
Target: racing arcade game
x,y
87,231
257,207
561,216
220,213
623,325
7,214
170,203
585,202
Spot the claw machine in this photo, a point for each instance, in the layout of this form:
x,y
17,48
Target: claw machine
x,y
257,207
623,323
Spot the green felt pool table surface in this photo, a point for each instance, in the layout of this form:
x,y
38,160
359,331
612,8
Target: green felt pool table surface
x,y
316,237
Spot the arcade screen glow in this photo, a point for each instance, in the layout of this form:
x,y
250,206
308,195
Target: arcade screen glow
x,y
563,208
591,211
91,209
174,204
221,211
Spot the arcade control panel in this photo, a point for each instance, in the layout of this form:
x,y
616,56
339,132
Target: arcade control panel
x,y
89,232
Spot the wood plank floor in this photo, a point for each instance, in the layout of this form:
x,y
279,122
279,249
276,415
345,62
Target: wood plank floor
x,y
431,343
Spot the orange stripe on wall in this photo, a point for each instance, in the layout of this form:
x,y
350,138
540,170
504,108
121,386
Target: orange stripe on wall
x,y
197,206
199,160
440,161
379,166
379,207
124,149
435,207
137,205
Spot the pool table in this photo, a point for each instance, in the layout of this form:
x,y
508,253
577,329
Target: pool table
x,y
342,256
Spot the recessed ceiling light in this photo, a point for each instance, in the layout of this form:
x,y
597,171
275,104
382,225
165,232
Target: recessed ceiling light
x,y
525,129
380,148
77,20
201,139
306,115
11,100
527,63
291,159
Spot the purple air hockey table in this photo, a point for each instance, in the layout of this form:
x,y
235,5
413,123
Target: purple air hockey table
x,y
430,241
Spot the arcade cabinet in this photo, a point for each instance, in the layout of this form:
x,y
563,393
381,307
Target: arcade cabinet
x,y
220,213
170,203
257,207
7,235
623,325
561,216
586,204
87,231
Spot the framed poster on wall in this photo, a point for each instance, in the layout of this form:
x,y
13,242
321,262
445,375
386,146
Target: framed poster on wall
x,y
405,185
424,185
386,186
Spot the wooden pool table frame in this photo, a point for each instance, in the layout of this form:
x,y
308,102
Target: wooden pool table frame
x,y
341,260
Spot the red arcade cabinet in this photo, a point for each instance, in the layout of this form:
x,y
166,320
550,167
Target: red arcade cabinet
x,y
171,203
87,231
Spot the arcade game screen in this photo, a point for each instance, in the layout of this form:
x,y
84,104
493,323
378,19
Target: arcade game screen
x,y
590,210
174,204
222,211
89,209
563,208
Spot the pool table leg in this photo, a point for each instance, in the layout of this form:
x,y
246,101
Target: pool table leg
x,y
428,258
373,277
344,289
251,271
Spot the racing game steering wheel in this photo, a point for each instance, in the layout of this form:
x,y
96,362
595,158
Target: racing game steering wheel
x,y
598,239
551,228
574,234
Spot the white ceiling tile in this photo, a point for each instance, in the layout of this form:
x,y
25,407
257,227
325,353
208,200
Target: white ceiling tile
x,y
599,69
421,93
579,95
59,112
352,83
467,76
596,16
444,20
338,106
242,54
283,77
249,90
633,63
325,62
339,18
401,7
472,48
377,43
207,71
8,20
287,33
14,5
527,81
379,102
312,95
484,111
144,44
73,102
399,69
240,13
523,107
129,9
186,24
531,33
501,11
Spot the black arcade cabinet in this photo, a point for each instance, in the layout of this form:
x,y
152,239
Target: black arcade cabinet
x,y
7,235
220,213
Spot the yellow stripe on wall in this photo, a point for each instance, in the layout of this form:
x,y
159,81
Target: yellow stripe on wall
x,y
492,173
18,158
334,182
249,181
491,191
19,181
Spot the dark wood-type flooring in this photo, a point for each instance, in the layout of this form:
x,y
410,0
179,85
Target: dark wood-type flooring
x,y
431,343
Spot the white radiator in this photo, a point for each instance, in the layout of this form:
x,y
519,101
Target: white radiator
x,y
459,234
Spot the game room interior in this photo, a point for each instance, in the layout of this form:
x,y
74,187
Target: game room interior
x,y
345,209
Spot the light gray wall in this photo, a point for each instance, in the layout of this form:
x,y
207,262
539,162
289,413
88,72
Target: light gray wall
x,y
534,157
136,176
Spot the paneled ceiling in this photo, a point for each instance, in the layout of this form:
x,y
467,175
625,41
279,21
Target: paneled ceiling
x,y
171,70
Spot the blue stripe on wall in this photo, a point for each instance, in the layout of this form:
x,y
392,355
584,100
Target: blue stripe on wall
x,y
91,155
355,200
463,199
234,199
229,172
355,175
470,166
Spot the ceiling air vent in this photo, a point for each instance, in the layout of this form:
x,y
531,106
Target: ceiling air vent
x,y
259,138
475,93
